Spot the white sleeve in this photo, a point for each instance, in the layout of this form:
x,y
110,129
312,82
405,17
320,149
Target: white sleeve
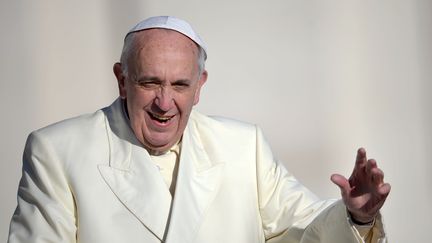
x,y
291,213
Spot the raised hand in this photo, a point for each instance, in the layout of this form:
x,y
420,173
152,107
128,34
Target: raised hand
x,y
364,192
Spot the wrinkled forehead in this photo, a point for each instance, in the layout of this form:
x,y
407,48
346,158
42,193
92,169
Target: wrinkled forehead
x,y
152,43
157,50
164,38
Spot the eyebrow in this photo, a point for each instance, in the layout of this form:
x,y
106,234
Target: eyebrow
x,y
182,81
154,78
149,78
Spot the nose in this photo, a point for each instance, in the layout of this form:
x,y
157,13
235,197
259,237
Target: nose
x,y
164,99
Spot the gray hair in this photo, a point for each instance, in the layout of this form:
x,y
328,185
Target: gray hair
x,y
129,52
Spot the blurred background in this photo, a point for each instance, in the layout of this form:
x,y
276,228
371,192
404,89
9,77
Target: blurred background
x,y
321,78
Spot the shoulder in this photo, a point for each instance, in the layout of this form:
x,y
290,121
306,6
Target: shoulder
x,y
76,130
219,124
83,124
223,134
76,140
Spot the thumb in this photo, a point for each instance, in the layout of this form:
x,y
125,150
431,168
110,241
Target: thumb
x,y
342,183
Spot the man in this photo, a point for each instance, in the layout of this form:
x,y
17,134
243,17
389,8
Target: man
x,y
149,169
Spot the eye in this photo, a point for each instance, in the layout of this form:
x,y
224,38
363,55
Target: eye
x,y
180,85
148,84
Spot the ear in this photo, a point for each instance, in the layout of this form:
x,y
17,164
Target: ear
x,y
118,72
201,82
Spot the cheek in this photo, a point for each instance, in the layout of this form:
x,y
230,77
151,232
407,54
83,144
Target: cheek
x,y
186,102
139,99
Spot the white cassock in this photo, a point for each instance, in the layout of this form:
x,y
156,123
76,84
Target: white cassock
x,y
89,180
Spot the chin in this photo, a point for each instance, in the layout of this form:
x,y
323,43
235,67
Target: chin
x,y
157,150
161,143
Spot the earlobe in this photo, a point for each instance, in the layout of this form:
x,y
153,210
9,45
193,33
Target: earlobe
x,y
118,72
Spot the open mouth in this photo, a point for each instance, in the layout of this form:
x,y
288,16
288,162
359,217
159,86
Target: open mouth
x,y
159,118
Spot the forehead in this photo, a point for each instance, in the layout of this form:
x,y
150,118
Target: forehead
x,y
165,54
164,40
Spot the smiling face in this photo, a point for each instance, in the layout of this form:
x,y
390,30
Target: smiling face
x,y
162,85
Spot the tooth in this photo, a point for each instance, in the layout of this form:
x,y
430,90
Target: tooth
x,y
161,117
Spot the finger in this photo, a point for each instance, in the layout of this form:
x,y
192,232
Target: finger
x,y
342,183
370,165
361,161
384,190
377,176
361,156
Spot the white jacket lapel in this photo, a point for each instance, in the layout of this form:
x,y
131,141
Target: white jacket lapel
x,y
197,183
132,176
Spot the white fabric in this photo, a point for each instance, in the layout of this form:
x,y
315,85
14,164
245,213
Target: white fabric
x,y
89,180
168,166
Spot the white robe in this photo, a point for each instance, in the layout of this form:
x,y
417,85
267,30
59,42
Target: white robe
x,y
89,180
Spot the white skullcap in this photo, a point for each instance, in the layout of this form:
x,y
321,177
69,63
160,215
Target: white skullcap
x,y
171,23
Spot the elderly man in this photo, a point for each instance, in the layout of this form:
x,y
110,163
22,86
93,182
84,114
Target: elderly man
x,y
149,169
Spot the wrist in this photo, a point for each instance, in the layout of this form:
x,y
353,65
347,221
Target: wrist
x,y
361,220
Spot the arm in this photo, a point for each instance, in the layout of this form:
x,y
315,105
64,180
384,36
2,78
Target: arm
x,y
286,206
45,211
292,214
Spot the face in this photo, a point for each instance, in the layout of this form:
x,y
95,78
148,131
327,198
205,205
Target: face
x,y
162,86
